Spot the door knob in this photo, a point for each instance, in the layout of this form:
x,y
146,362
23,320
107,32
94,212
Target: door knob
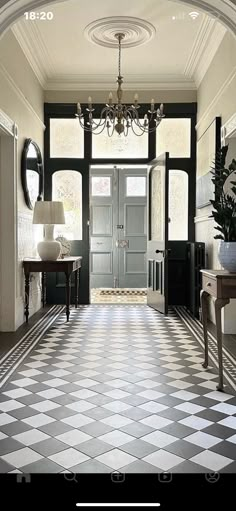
x,y
160,251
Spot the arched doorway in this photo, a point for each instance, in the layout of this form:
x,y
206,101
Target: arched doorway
x,y
223,10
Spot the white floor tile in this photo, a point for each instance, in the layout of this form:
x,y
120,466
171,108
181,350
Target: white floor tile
x,y
77,420
195,422
7,406
116,459
155,421
211,460
203,439
117,421
31,437
163,459
22,457
116,438
38,420
73,437
81,406
68,458
159,439
45,406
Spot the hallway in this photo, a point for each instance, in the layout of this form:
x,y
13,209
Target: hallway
x,y
119,387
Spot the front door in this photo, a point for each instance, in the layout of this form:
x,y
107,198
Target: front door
x,y
157,245
118,238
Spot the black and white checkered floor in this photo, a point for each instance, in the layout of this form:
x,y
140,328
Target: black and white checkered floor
x,y
117,388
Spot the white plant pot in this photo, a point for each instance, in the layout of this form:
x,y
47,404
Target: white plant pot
x,y
227,255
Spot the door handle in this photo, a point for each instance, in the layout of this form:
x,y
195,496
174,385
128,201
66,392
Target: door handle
x,y
160,251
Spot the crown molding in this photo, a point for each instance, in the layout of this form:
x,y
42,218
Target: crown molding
x,y
132,82
216,99
20,94
34,49
206,44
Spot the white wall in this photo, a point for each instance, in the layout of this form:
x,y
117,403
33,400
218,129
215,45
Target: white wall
x,y
21,98
217,97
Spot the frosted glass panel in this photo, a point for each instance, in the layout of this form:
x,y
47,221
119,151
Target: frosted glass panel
x,y
174,136
119,146
101,186
66,139
67,187
178,205
136,186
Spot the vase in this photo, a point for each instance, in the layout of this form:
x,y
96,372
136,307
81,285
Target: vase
x,y
227,255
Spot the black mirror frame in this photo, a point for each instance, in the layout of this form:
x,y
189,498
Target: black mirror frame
x,y
39,170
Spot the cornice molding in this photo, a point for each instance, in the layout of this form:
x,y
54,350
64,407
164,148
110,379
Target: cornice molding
x,y
206,44
20,94
132,82
221,91
31,42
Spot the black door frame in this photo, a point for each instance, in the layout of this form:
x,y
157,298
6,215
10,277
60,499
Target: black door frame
x,y
51,165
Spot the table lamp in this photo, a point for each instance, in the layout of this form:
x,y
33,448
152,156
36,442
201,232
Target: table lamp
x,y
48,213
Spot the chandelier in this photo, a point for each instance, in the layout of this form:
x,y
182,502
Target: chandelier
x,y
118,117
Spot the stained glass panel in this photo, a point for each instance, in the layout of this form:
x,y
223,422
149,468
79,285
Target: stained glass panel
x,y
174,136
135,186
67,187
101,186
178,205
66,139
119,146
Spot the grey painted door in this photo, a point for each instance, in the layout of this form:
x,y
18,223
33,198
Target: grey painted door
x,y
118,239
132,239
103,226
157,245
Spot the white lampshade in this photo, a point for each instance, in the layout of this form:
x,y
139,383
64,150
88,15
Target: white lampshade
x,y
48,212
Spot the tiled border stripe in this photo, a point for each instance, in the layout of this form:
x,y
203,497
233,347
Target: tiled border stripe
x,y
12,359
195,327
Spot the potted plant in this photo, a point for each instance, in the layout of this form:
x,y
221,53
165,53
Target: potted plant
x,y
224,209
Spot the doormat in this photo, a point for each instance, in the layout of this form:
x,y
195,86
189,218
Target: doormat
x,y
132,292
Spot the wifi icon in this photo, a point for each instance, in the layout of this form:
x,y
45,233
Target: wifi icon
x,y
194,15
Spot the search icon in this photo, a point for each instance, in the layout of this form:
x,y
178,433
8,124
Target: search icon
x,y
71,477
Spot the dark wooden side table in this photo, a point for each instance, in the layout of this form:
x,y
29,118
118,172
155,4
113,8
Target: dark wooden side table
x,y
68,265
221,285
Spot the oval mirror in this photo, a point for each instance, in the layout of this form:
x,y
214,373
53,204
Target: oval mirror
x,y
32,173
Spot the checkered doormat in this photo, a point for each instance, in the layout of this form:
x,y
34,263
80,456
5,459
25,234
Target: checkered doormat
x,y
132,292
116,388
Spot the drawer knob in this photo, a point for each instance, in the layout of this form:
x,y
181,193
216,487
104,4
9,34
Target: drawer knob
x,y
208,284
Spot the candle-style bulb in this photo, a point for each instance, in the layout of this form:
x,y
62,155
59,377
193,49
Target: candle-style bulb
x,y
78,108
89,100
110,98
136,98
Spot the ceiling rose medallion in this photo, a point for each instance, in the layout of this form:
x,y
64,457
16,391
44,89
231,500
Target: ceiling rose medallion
x,y
116,116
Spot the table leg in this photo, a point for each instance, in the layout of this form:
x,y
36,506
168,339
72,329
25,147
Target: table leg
x,y
43,288
203,298
68,286
219,303
76,288
27,292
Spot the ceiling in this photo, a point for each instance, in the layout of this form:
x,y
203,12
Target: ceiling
x,y
176,57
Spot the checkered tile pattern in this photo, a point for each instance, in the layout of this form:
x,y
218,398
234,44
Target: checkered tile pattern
x,y
116,388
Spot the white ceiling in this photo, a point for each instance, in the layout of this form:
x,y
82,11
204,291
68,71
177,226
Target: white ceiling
x,y
62,57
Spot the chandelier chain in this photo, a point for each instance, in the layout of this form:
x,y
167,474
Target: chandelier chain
x,y
119,60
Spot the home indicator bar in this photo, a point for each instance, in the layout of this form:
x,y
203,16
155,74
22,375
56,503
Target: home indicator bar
x,y
118,504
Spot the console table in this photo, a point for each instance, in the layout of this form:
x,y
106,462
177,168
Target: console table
x,y
68,265
221,285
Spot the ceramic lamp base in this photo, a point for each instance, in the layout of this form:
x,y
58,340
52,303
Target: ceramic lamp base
x,y
49,250
227,255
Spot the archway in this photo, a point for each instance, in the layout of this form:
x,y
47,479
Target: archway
x,y
223,10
